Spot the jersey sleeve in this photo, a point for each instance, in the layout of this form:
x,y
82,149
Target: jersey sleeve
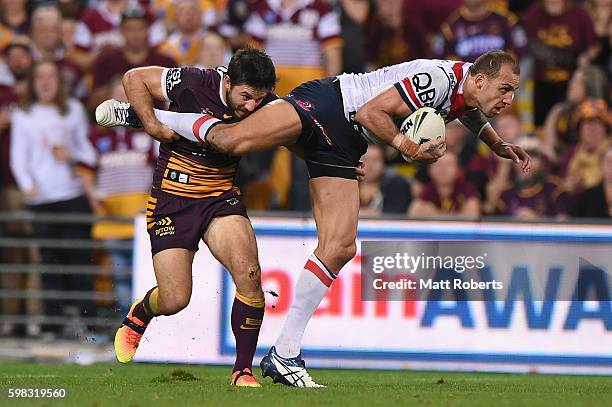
x,y
176,80
427,86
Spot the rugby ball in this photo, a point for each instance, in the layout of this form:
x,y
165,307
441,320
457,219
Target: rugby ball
x,y
424,125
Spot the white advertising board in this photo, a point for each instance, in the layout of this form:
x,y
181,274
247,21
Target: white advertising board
x,y
519,334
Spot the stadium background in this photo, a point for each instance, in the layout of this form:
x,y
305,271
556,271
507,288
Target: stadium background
x,y
67,257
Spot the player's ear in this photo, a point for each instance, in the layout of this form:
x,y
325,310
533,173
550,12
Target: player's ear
x,y
480,80
227,83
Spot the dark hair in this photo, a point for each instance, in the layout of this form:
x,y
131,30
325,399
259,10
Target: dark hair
x,y
134,13
491,62
252,67
29,98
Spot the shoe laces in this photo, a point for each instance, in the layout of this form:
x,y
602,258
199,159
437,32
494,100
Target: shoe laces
x,y
308,380
121,111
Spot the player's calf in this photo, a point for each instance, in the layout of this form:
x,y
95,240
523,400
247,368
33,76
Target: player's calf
x,y
246,319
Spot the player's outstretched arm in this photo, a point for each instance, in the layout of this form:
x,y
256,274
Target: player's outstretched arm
x,y
476,122
141,86
377,116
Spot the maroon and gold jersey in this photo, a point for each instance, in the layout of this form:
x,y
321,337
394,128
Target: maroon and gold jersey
x,y
466,37
462,191
186,168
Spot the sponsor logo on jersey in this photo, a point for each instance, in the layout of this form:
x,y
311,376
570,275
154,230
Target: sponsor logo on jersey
x,y
422,83
173,78
177,176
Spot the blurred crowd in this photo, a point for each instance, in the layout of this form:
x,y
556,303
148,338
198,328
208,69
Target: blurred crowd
x,y
59,59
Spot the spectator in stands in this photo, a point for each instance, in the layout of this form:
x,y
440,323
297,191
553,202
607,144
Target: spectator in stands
x,y
49,146
46,33
136,52
381,190
185,43
232,25
601,14
215,51
596,202
561,36
536,193
476,28
79,56
499,172
165,16
391,38
448,193
581,165
354,16
125,159
429,15
99,26
301,36
18,63
472,155
559,134
14,17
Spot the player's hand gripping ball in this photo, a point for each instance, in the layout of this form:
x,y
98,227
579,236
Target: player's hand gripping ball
x,y
422,126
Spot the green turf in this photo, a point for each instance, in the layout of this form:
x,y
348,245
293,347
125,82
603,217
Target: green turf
x,y
186,385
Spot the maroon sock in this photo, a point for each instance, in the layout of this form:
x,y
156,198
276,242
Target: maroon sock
x,y
246,322
142,310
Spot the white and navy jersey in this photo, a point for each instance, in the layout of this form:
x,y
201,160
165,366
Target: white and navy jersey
x,y
422,82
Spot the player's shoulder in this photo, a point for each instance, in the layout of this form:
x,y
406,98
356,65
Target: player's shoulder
x,y
195,75
433,73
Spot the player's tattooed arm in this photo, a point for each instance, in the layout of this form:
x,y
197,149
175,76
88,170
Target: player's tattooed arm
x,y
490,137
378,114
475,121
141,86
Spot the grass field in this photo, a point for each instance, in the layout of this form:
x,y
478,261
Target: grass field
x,y
181,385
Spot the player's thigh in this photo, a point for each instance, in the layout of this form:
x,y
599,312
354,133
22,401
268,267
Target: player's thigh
x,y
232,241
335,206
273,125
173,273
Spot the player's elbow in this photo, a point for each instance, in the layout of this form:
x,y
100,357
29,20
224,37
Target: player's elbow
x,y
224,142
129,77
363,115
239,148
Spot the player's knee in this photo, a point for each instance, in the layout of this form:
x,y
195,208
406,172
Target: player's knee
x,y
340,252
248,282
173,304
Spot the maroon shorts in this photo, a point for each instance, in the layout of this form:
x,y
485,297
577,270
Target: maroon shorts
x,y
178,222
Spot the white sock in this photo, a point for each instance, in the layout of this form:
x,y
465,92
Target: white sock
x,y
311,287
192,126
